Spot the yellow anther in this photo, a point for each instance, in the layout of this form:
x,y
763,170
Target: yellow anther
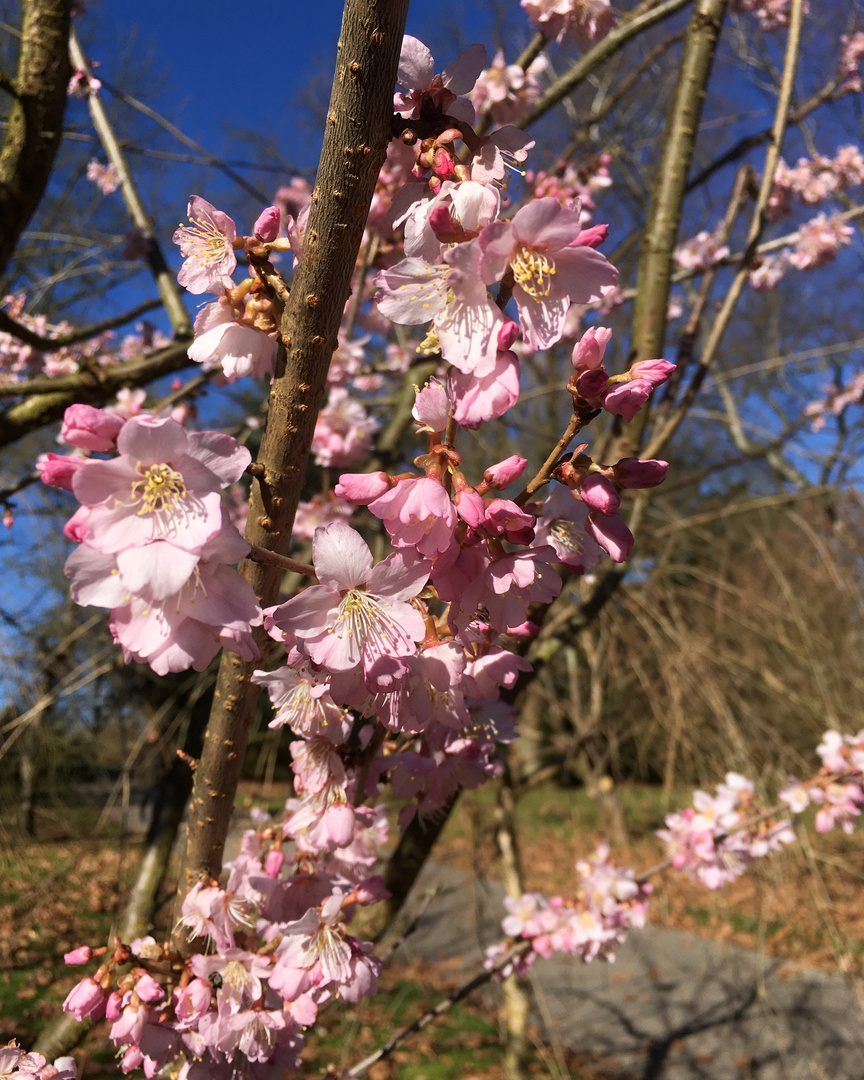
x,y
533,273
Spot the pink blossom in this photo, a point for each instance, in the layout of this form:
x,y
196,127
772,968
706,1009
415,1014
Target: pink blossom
x,y
549,274
432,408
478,399
164,485
563,525
105,177
208,247
611,534
416,74
417,513
453,296
359,612
851,54
343,431
362,488
588,352
703,250
86,999
819,241
586,21
81,955
58,470
625,399
507,92
599,494
655,372
240,350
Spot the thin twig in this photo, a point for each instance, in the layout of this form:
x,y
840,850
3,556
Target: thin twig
x,y
85,333
164,278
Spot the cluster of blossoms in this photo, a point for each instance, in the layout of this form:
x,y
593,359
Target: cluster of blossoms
x,y
282,949
238,332
838,788
15,1064
719,836
393,672
584,21
771,14
701,251
851,55
591,924
155,545
837,399
815,179
505,92
20,361
571,181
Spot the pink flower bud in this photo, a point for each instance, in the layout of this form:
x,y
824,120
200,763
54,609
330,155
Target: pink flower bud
x,y
654,372
90,429
273,863
505,518
266,228
588,351
114,1006
132,1059
611,534
340,824
58,469
527,629
508,331
81,955
592,237
599,494
86,999
470,506
505,472
636,473
75,528
148,989
592,383
626,399
362,488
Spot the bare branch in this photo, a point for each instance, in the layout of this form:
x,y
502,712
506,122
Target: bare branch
x,y
162,275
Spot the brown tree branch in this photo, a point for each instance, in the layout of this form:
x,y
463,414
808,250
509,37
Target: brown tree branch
x,y
35,123
355,143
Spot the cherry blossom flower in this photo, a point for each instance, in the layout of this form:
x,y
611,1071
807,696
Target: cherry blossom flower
x,y
208,247
563,525
105,177
164,485
240,349
416,74
359,611
477,399
549,273
417,513
343,431
586,21
453,296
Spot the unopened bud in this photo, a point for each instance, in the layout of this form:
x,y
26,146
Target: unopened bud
x,y
636,473
505,472
266,228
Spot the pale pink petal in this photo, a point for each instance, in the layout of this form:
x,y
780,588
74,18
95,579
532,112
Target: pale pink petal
x,y
341,556
416,65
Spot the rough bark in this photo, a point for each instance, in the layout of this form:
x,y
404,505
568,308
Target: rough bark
x,y
355,143
35,123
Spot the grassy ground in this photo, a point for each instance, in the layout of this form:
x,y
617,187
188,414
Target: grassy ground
x,y
61,890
